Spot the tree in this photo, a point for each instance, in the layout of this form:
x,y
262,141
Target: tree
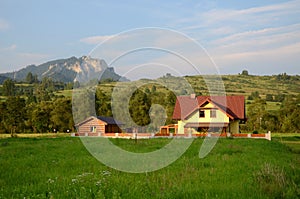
x,y
269,98
30,97
9,88
279,98
245,72
82,104
3,112
139,107
61,115
29,78
289,115
14,115
40,117
153,89
171,100
103,104
147,90
44,90
255,114
254,95
270,122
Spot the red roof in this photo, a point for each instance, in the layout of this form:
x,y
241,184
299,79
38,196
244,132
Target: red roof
x,y
234,106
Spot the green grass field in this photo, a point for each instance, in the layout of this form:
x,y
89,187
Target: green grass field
x,y
236,168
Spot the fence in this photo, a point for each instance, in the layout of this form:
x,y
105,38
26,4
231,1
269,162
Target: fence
x,y
171,135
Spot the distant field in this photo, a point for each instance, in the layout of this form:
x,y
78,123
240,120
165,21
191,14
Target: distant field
x,y
236,168
292,140
66,93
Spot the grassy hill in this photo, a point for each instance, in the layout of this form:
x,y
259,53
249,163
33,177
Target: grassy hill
x,y
233,84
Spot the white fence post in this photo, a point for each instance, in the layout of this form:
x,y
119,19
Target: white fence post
x,y
268,136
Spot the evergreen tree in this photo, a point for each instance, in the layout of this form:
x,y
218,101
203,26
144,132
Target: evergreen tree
x,y
103,102
15,115
40,117
61,115
153,89
139,107
29,78
9,88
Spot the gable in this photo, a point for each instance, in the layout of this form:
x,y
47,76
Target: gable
x,y
93,120
233,106
207,114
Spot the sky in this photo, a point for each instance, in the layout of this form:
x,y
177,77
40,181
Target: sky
x,y
261,36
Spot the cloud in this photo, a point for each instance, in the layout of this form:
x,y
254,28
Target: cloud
x,y
261,61
9,48
286,7
267,35
259,39
221,21
4,25
95,39
254,15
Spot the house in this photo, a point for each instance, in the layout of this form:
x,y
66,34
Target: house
x,y
98,125
209,114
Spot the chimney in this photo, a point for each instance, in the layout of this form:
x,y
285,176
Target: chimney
x,y
193,96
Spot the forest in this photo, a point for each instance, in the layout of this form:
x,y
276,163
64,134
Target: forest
x,y
41,106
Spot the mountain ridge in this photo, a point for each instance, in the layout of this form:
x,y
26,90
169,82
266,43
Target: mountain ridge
x,y
66,70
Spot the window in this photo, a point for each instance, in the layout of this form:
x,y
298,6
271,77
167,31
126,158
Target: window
x,y
213,113
201,113
93,129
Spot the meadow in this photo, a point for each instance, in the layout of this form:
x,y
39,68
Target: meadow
x,y
61,167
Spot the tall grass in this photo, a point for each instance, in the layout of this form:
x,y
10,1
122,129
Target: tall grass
x,y
62,168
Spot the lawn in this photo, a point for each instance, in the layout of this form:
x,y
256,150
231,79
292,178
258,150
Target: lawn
x,y
62,168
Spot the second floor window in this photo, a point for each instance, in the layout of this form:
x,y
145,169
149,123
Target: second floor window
x,y
201,113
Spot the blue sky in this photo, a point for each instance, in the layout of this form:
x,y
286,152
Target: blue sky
x,y
262,36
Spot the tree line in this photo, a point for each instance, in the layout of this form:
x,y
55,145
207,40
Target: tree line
x,y
286,119
36,108
39,110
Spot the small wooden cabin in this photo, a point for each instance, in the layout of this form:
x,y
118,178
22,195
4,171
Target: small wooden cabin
x,y
99,125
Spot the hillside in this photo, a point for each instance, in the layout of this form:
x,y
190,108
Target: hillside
x,y
234,85
2,79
